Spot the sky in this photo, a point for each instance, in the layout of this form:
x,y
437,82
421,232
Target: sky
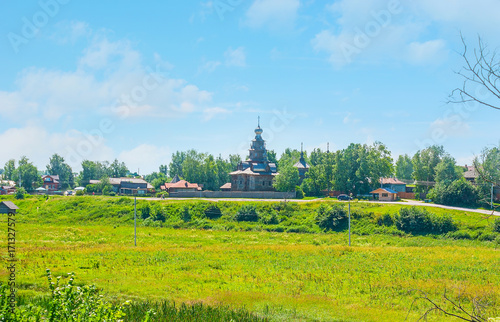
x,y
138,81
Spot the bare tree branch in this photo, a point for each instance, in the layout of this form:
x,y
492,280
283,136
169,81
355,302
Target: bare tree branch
x,y
481,68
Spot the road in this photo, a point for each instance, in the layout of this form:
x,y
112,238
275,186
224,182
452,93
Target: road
x,y
405,202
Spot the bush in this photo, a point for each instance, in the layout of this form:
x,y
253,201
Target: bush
x,y
270,218
213,212
458,193
247,213
67,302
420,221
162,194
20,192
385,220
145,211
496,225
331,217
79,193
186,216
299,194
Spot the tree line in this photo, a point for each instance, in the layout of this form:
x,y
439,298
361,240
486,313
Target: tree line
x,y
356,169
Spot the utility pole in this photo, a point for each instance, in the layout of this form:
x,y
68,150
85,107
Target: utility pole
x,y
135,220
349,207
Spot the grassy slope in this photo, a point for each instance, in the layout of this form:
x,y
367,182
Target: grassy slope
x,y
288,276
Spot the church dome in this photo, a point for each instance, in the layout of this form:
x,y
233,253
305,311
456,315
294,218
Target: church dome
x,y
258,130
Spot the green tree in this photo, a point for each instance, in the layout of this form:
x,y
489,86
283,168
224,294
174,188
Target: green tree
x,y
28,174
424,165
10,169
271,156
164,169
315,181
175,167
446,171
404,167
234,160
57,166
289,158
117,169
287,179
487,165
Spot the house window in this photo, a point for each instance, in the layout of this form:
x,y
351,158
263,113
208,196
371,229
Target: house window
x,y
385,195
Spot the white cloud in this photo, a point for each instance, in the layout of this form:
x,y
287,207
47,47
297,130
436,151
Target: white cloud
x,y
145,157
236,57
109,78
429,52
35,142
275,14
210,113
210,66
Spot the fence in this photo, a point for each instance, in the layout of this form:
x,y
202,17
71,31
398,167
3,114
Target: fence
x,y
234,194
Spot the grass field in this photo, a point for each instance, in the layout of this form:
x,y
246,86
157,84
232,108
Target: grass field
x,y
278,275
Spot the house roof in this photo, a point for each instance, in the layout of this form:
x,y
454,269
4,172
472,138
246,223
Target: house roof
x,y
9,204
383,190
118,181
391,181
249,172
226,186
301,165
54,177
471,173
182,184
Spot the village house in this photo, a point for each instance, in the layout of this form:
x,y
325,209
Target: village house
x,y
51,183
7,187
178,185
128,186
385,194
393,184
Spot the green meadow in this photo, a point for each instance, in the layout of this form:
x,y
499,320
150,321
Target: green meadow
x,y
281,267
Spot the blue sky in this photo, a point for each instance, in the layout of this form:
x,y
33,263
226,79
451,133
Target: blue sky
x,y
139,81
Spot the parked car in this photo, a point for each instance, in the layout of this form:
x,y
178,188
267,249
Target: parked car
x,y
344,197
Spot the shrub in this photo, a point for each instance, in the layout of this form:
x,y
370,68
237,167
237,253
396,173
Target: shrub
x,y
213,212
420,221
496,225
331,217
79,193
458,193
385,220
145,211
162,194
186,216
20,192
67,302
247,213
299,194
270,218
